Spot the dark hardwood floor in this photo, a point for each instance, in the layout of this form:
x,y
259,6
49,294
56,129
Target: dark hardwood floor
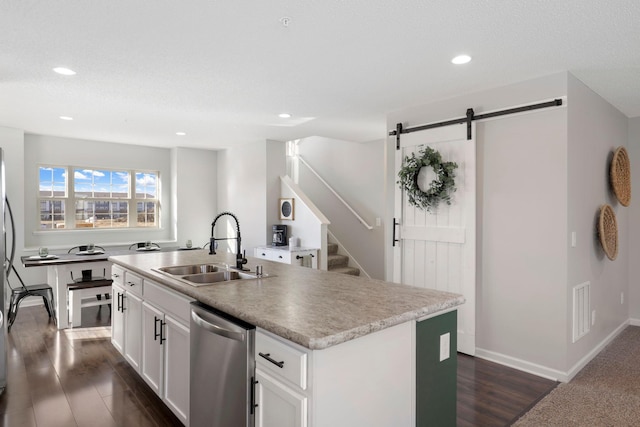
x,y
75,377
491,395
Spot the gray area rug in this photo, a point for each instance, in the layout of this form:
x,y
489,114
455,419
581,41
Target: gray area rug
x,y
606,392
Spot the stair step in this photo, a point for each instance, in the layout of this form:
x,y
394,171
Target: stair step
x,y
332,248
346,270
337,261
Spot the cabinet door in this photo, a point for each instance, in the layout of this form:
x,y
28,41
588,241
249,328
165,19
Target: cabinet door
x,y
117,318
133,325
152,354
176,368
278,405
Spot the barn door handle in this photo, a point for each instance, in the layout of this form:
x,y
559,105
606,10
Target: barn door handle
x,y
395,223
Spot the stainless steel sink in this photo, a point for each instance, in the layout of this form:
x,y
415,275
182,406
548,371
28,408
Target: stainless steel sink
x,y
206,274
215,277
182,270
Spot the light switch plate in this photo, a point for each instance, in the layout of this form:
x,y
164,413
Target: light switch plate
x,y
445,344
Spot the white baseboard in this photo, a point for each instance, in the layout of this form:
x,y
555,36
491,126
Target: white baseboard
x,y
549,373
519,364
593,353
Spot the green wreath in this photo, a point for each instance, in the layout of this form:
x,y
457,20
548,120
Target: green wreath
x,y
440,189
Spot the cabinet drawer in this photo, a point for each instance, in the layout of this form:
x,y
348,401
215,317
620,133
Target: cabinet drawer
x,y
117,274
291,362
170,302
133,283
262,254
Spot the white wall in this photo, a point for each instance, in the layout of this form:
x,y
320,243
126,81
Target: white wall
x,y
596,129
634,223
52,150
195,195
246,187
543,175
522,187
356,172
309,224
12,142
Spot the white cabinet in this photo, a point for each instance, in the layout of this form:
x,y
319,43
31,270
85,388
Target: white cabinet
x,y
152,346
132,324
368,381
126,319
150,327
165,346
176,368
117,318
284,254
281,375
278,404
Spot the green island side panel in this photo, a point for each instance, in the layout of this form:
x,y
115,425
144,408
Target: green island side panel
x,y
436,382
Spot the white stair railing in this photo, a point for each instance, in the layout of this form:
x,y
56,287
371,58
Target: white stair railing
x,y
362,221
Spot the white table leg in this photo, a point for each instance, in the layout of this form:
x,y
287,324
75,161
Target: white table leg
x,y
57,278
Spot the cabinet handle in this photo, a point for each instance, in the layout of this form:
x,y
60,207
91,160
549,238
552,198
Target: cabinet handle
x,y
114,275
162,325
263,254
130,283
267,356
119,302
280,256
253,403
156,334
123,307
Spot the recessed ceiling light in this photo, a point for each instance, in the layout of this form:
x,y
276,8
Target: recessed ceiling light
x,y
284,115
64,71
66,118
461,59
181,133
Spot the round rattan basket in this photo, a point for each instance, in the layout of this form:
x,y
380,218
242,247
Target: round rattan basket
x,y
608,231
620,175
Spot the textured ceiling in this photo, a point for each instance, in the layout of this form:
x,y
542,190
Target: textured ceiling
x,y
221,71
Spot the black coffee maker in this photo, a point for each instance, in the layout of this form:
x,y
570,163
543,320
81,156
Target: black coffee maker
x,y
279,235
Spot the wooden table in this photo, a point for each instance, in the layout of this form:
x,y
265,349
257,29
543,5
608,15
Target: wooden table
x,y
61,267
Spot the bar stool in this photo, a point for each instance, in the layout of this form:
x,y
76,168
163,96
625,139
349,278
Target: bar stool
x,y
82,289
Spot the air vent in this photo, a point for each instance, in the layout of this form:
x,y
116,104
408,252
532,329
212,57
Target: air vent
x,y
581,310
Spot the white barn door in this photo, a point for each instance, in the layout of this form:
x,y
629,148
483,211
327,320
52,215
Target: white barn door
x,y
437,250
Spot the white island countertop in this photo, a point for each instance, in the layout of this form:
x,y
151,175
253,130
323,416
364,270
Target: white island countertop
x,y
316,309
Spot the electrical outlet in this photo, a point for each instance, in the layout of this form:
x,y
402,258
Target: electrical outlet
x,y
445,344
593,317
378,222
621,297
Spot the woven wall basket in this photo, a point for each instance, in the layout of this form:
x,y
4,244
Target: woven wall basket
x,y
621,176
608,231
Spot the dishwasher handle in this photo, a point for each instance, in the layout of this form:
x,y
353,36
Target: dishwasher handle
x,y
215,329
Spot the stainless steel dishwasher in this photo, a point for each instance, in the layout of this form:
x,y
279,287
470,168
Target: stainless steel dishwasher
x,y
222,369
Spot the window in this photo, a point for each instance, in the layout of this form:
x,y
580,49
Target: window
x,y
98,198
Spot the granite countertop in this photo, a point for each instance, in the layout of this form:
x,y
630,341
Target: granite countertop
x,y
316,309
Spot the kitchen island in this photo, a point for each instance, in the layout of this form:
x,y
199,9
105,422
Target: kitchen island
x,y
358,338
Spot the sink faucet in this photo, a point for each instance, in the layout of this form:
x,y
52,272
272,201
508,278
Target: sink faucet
x,y
240,259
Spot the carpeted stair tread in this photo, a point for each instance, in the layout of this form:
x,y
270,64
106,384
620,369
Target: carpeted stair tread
x,y
337,261
346,270
332,249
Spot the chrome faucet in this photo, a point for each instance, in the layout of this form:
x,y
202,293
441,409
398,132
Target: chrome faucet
x,y
240,259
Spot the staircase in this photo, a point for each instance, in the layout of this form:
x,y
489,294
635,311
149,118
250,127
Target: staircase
x,y
339,263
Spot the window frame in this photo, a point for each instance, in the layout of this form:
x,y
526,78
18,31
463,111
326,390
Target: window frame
x,y
69,199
